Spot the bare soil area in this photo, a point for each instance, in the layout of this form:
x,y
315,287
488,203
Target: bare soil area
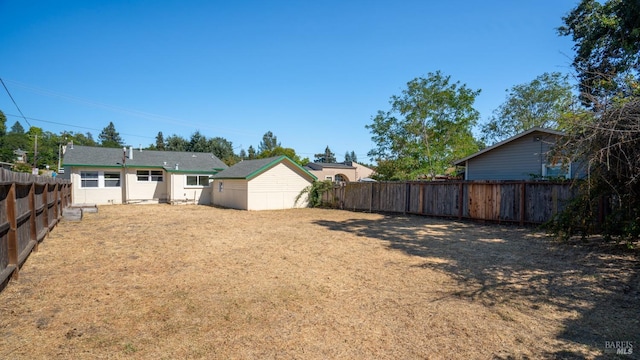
x,y
197,282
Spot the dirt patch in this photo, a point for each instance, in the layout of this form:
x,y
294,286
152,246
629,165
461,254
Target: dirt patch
x,y
167,282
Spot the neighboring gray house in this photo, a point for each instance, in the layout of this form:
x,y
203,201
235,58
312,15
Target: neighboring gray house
x,y
113,176
521,157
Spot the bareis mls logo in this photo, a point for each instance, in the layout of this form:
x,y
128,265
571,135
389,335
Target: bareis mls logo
x,y
618,347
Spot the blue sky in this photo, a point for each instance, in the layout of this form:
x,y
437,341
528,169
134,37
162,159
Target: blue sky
x,y
312,72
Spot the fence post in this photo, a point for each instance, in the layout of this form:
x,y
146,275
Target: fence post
x,y
45,202
407,198
460,200
13,231
33,233
522,205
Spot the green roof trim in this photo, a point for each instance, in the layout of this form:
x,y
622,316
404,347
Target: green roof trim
x,y
249,169
274,163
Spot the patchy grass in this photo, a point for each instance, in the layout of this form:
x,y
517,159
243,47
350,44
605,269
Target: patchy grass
x,y
167,282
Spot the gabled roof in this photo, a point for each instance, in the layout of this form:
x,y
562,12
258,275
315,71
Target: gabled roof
x,y
320,166
522,134
248,169
112,157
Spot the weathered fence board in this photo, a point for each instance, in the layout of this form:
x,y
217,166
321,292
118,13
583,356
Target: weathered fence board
x,y
524,202
30,206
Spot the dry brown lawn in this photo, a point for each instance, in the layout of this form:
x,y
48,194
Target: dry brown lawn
x,y
196,282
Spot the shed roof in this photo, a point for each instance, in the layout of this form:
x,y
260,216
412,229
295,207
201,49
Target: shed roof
x,y
112,157
497,145
248,169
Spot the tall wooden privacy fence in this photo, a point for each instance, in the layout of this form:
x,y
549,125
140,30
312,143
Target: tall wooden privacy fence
x,y
30,206
522,202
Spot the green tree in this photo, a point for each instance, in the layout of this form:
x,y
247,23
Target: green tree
x,y
3,124
428,127
109,137
350,156
607,46
269,142
541,102
223,149
251,153
198,142
243,154
160,141
176,143
17,128
288,152
326,157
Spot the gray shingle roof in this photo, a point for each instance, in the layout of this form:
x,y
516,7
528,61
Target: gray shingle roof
x,y
320,166
98,156
250,168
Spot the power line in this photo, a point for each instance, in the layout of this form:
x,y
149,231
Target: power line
x,y
14,102
76,126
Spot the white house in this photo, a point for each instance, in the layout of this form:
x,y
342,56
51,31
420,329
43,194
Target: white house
x,y
263,184
339,172
115,176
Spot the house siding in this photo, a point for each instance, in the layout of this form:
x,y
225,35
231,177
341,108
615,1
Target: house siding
x,y
517,160
98,195
277,188
181,192
233,194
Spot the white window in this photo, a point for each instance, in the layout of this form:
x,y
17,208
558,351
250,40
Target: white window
x,y
198,180
149,175
89,179
99,179
557,170
111,179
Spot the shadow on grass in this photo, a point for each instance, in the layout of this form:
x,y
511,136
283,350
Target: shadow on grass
x,y
497,264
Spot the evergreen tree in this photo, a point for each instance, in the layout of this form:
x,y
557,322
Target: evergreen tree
x,y
350,156
17,129
326,157
160,141
269,142
109,137
251,153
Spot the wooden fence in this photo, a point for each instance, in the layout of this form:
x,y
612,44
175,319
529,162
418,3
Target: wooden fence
x,y
521,202
30,206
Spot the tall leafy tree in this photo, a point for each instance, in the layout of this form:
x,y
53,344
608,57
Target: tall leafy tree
x,y
198,142
3,124
223,149
109,137
288,152
326,157
427,128
606,39
541,102
176,143
268,143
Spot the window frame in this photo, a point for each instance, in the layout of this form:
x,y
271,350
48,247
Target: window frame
x,y
149,176
562,168
117,180
84,179
198,178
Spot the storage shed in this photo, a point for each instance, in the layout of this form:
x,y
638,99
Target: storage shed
x,y
262,184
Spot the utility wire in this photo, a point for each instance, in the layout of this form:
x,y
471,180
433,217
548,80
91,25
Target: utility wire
x,y
14,102
79,127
